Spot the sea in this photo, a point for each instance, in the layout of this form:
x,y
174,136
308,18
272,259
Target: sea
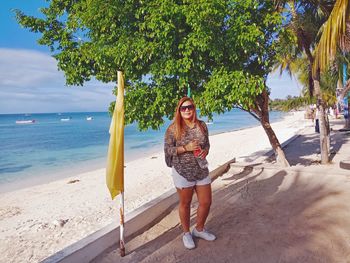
x,y
59,145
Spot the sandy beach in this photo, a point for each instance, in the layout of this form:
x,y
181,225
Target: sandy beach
x,y
263,212
41,220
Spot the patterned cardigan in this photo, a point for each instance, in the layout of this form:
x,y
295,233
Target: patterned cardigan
x,y
185,164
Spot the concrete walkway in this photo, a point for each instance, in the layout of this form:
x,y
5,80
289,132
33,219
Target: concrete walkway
x,y
265,213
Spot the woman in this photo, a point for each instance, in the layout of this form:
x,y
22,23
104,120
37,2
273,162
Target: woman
x,y
186,137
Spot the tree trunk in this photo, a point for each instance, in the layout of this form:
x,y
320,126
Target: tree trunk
x,y
262,111
324,132
306,44
328,129
276,146
324,136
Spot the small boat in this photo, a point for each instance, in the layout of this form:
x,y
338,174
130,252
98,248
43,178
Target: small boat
x,y
66,119
89,118
25,121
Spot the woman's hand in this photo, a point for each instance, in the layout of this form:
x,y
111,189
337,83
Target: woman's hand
x,y
192,146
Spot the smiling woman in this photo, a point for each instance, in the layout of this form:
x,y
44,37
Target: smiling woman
x,y
186,146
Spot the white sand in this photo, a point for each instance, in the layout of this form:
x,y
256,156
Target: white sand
x,y
41,220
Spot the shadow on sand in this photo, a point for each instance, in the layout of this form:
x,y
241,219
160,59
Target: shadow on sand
x,y
305,149
259,216
262,215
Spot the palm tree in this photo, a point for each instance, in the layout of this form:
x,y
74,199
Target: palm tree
x,y
304,21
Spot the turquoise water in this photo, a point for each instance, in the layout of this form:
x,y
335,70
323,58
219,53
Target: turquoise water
x,y
50,146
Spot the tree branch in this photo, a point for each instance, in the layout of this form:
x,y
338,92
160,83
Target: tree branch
x,y
251,113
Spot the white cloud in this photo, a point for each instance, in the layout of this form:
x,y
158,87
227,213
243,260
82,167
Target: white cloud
x,y
20,68
30,82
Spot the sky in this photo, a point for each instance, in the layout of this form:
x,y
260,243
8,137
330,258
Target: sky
x,y
31,83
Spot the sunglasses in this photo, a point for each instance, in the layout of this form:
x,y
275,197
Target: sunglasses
x,y
189,107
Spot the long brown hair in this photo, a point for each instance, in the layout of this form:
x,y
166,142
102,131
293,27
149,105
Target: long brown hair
x,y
178,120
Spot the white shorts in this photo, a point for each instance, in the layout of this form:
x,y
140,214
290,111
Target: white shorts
x,y
181,182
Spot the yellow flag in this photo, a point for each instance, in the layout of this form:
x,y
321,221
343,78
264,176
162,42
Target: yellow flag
x,y
115,158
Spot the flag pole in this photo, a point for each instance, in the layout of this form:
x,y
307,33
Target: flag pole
x,y
115,157
121,199
121,226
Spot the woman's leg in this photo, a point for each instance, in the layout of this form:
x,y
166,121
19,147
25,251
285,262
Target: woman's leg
x,y
204,200
185,198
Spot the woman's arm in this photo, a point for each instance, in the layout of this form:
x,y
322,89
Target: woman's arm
x,y
169,142
170,147
206,144
206,137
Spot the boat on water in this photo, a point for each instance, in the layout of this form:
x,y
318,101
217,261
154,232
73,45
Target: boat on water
x,y
25,121
66,119
89,118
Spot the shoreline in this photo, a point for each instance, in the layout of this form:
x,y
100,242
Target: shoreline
x,y
56,174
41,220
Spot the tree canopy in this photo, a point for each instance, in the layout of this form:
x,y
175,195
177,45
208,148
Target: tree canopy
x,y
222,49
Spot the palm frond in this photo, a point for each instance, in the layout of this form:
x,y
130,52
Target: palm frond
x,y
334,30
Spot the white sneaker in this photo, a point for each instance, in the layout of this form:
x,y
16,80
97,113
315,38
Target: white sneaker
x,y
188,241
203,234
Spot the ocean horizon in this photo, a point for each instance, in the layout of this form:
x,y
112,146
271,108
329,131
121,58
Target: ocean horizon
x,y
44,150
